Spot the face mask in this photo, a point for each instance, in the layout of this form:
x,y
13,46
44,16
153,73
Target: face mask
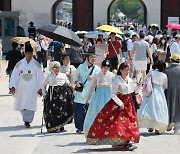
x,y
163,41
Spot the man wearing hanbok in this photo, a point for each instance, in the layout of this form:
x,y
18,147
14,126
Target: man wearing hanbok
x,y
173,93
84,72
26,83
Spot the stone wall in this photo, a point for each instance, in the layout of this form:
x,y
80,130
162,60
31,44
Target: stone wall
x,y
38,11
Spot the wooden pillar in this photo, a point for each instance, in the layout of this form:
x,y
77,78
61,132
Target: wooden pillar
x,y
82,15
173,8
5,5
169,8
78,14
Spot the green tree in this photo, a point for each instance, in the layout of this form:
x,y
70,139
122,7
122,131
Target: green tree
x,y
129,8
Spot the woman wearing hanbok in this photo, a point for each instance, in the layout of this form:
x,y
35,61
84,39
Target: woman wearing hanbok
x,y
67,68
102,82
58,107
116,124
153,113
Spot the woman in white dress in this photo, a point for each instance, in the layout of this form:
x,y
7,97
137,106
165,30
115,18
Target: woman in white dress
x,y
67,68
153,113
100,50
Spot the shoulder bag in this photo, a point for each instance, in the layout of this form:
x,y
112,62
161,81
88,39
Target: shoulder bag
x,y
80,89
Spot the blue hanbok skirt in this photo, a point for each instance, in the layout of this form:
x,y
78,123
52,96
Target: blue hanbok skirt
x,y
98,101
153,113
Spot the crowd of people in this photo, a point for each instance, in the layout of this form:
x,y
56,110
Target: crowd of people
x,y
97,85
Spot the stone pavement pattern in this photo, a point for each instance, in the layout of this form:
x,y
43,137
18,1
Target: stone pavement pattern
x,y
16,139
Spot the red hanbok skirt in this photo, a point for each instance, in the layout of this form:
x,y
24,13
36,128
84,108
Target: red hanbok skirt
x,y
113,126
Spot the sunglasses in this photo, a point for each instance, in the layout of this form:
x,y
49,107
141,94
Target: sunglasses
x,y
55,67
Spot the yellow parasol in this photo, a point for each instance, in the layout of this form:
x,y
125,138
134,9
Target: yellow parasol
x,y
22,40
110,28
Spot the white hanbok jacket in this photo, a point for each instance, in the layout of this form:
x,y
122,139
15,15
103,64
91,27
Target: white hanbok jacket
x,y
119,86
69,70
100,79
27,79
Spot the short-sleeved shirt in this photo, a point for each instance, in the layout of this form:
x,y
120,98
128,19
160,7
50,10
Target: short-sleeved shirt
x,y
117,45
141,47
58,47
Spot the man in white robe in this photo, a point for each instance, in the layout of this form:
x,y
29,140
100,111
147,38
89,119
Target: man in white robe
x,y
26,84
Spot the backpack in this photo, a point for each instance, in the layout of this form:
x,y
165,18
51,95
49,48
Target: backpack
x,y
124,45
148,86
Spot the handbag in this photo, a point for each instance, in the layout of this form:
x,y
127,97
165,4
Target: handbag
x,y
80,89
148,87
139,99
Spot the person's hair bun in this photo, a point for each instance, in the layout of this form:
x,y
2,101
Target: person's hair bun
x,y
28,47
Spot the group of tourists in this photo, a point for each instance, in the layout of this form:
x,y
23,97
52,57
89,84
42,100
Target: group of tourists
x,y
103,92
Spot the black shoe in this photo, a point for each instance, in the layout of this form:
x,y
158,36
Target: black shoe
x,y
150,130
27,124
79,131
158,132
131,147
61,129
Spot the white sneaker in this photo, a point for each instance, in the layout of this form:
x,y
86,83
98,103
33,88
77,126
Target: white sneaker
x,y
176,132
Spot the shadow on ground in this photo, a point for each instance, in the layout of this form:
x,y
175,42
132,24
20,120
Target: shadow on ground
x,y
5,95
23,135
98,150
147,134
16,128
73,144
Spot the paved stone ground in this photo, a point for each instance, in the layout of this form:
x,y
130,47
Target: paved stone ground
x,y
16,139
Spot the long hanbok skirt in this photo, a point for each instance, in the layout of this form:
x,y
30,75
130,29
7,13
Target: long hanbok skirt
x,y
99,100
153,113
58,107
113,126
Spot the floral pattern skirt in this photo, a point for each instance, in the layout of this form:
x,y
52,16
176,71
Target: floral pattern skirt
x,y
113,126
58,107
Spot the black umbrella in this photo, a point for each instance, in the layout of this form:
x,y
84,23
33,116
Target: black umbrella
x,y
60,33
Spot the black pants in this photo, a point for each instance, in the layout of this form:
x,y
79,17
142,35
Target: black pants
x,y
79,115
148,68
41,58
114,63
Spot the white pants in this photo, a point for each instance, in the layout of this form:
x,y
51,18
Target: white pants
x,y
27,115
140,65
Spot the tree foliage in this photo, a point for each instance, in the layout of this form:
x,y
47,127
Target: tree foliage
x,y
129,8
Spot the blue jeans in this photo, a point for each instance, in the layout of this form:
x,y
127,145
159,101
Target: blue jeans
x,y
126,56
